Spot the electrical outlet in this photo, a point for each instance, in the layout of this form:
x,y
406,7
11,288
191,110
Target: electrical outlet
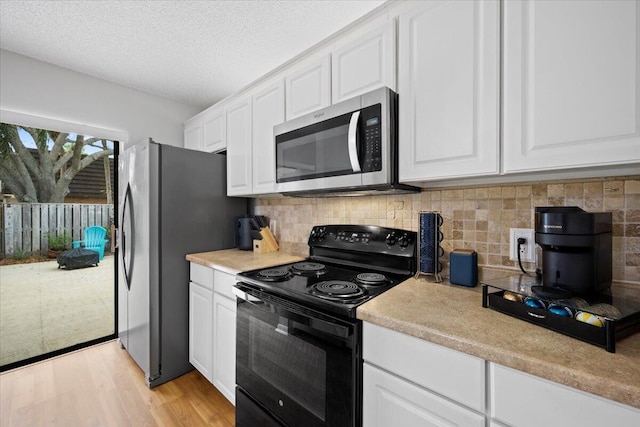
x,y
527,249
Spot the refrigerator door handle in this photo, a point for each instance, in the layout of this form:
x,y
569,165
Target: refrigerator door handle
x,y
127,249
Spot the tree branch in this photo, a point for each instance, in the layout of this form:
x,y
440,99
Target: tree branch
x,y
22,151
16,176
58,145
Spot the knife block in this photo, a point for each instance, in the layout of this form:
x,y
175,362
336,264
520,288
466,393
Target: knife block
x,y
268,243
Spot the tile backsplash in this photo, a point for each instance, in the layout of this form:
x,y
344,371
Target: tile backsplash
x,y
477,218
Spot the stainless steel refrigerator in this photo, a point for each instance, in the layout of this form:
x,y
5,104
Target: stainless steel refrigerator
x,y
172,202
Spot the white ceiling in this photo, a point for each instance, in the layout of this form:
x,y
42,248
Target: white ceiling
x,y
194,52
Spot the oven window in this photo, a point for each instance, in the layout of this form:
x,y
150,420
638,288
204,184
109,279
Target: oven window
x,y
290,364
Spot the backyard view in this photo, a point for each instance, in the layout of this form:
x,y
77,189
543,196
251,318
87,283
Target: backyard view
x,y
57,209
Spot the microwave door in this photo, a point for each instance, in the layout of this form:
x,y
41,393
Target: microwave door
x,y
320,156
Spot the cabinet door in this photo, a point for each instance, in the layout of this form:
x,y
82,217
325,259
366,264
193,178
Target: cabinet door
x,y
571,84
239,148
193,134
450,373
215,130
224,346
367,63
200,329
521,399
309,88
268,110
389,400
448,85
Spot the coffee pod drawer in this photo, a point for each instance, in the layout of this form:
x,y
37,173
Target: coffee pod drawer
x,y
599,324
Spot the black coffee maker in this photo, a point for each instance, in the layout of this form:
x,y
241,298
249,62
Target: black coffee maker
x,y
576,251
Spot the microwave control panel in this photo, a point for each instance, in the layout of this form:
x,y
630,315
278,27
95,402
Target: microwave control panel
x,y
372,124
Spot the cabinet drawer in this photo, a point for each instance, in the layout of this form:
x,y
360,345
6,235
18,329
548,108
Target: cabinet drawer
x,y
389,400
223,283
450,373
201,275
523,400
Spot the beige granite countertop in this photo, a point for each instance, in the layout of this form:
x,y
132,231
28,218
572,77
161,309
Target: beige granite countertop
x,y
453,316
233,261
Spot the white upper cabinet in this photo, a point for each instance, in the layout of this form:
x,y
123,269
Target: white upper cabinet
x,y
268,110
214,130
193,134
364,64
207,131
239,148
308,88
448,90
571,84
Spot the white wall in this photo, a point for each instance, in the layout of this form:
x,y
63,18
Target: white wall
x,y
36,88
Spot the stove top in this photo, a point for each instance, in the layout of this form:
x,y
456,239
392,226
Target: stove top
x,y
338,289
348,265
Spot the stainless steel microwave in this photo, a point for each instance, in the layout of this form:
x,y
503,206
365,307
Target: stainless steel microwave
x,y
349,147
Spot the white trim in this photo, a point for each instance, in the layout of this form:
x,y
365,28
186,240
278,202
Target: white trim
x,y
13,117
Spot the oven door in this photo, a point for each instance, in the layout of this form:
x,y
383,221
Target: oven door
x,y
300,367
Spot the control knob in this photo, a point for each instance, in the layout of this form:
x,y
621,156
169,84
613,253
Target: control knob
x,y
391,239
403,240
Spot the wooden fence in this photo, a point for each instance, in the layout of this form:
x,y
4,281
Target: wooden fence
x,y
24,227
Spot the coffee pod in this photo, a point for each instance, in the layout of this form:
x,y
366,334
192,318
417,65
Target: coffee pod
x,y
535,303
512,296
560,310
589,318
575,303
606,310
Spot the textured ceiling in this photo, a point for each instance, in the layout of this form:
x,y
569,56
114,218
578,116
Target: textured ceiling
x,y
194,52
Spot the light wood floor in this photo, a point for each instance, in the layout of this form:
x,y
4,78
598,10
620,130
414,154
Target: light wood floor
x,y
102,386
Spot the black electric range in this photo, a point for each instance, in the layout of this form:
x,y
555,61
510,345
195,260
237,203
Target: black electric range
x,y
298,342
347,266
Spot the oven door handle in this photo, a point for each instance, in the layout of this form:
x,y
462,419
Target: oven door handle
x,y
353,142
314,321
244,295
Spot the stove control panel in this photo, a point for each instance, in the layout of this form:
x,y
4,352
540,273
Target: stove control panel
x,y
363,238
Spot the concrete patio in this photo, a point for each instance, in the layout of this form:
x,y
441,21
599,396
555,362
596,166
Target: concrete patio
x,y
43,308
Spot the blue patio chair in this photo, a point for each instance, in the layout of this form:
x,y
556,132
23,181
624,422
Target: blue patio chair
x,y
94,239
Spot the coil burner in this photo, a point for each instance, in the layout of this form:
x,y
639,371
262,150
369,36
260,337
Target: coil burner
x,y
274,274
338,290
372,279
306,268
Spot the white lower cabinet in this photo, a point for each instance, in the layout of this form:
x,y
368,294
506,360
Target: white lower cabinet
x,y
224,340
200,328
522,400
390,400
411,382
449,373
212,327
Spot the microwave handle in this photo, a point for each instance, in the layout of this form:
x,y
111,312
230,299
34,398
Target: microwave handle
x,y
353,146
